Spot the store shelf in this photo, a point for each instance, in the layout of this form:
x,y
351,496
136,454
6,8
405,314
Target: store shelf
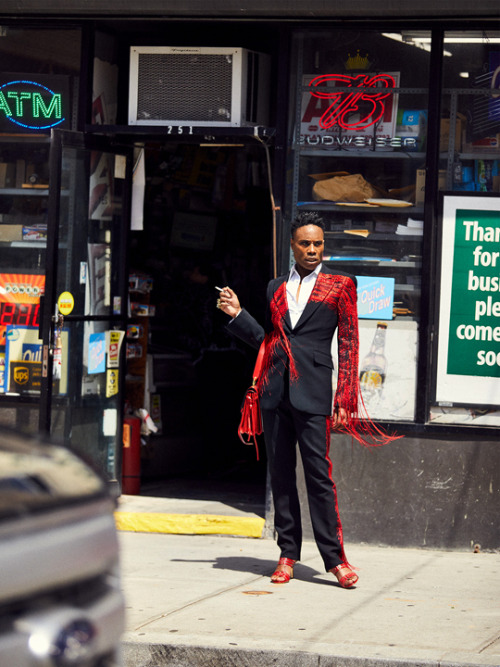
x,y
332,206
19,138
14,398
25,192
484,155
373,237
26,244
407,265
30,192
407,288
367,261
310,151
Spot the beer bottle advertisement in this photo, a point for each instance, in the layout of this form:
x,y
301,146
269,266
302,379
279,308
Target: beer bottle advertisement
x,y
373,367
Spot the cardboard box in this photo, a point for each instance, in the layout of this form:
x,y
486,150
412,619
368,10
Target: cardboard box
x,y
420,188
420,185
7,174
444,133
20,173
11,232
486,144
3,173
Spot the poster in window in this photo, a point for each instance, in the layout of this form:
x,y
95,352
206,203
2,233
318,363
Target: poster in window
x,y
101,205
98,286
387,368
468,348
23,362
20,300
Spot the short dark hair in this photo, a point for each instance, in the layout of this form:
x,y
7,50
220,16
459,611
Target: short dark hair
x,y
306,218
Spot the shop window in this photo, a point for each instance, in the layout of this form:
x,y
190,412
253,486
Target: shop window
x,y
470,124
468,269
358,132
38,75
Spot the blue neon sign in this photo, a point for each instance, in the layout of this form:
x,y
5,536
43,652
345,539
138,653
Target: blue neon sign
x,y
31,105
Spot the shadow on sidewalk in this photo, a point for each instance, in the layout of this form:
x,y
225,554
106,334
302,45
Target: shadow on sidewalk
x,y
262,568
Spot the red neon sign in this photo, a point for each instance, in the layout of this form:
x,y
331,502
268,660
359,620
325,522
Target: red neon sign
x,y
345,103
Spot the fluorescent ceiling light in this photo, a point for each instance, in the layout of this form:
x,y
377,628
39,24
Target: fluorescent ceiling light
x,y
455,37
419,42
464,40
423,43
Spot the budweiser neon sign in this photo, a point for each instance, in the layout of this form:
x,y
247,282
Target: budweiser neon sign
x,y
367,106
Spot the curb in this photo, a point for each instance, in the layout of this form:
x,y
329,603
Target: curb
x,y
183,655
189,524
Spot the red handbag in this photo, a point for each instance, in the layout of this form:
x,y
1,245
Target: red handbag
x,y
251,423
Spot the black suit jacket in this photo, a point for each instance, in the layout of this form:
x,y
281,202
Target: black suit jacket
x,y
301,356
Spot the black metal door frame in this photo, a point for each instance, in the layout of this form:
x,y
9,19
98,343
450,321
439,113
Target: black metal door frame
x,y
59,140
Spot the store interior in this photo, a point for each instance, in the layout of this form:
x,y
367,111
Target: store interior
x,y
207,223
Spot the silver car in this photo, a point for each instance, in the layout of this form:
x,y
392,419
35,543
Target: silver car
x,y
60,597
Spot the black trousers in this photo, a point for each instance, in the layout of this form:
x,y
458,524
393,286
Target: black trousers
x,y
283,428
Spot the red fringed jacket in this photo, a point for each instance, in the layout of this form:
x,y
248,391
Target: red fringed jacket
x,y
306,352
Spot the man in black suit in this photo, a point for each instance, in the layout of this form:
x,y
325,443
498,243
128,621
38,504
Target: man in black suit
x,y
304,309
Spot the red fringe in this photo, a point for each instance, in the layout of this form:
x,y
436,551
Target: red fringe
x,y
277,338
337,293
348,395
361,427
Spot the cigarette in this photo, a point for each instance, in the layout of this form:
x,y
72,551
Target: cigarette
x,y
219,288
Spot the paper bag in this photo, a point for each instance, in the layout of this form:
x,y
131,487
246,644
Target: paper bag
x,y
352,188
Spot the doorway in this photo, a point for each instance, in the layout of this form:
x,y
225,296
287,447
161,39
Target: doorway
x,y
207,222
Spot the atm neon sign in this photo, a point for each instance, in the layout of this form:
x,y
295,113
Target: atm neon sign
x,y
31,105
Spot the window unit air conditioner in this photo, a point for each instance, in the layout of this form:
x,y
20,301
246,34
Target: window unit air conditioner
x,y
198,86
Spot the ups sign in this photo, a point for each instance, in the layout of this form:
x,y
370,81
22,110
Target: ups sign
x,y
21,375
25,376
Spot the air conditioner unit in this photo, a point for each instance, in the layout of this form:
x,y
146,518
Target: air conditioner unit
x,y
205,86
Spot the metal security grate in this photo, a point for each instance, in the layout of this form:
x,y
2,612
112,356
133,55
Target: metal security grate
x,y
184,87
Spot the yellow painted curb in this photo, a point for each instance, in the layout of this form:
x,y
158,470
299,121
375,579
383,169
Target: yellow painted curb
x,y
189,524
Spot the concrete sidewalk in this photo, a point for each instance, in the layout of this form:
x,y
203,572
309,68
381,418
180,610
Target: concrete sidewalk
x,y
200,600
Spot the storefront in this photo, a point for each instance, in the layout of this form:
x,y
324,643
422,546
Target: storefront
x,y
162,188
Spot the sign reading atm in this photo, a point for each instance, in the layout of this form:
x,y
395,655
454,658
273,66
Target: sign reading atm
x,y
33,102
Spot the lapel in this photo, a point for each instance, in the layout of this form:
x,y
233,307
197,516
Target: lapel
x,y
280,302
321,290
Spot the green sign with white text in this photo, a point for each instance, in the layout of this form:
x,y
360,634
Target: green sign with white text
x,y
474,330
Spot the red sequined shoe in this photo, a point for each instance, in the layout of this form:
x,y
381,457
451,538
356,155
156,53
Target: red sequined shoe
x,y
279,576
347,580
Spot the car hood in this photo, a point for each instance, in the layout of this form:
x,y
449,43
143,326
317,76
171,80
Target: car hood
x,y
35,476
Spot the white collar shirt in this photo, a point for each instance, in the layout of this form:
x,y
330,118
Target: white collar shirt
x,y
296,306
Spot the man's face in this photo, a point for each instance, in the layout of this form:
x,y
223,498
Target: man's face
x,y
307,246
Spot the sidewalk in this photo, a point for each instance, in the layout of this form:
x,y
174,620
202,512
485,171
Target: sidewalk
x,y
200,600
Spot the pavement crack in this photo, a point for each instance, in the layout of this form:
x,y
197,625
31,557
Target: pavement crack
x,y
488,644
195,602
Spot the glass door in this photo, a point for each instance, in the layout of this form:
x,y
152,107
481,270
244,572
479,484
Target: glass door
x,y
83,315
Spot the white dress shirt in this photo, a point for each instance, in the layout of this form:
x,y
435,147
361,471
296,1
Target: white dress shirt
x,y
296,306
